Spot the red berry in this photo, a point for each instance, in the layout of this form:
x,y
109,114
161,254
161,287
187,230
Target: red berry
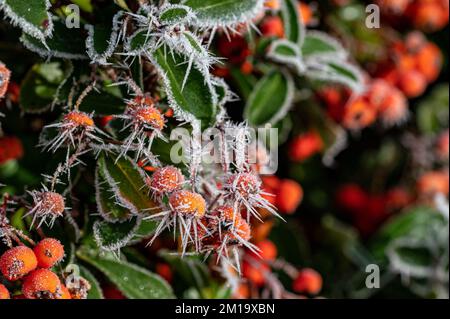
x,y
4,293
289,196
308,281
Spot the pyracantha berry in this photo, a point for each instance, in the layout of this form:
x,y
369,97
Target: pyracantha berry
x,y
256,274
10,149
245,189
49,252
5,75
359,114
42,284
75,128
65,293
4,293
308,281
186,209
304,146
288,196
17,262
47,205
432,183
166,180
267,250
145,122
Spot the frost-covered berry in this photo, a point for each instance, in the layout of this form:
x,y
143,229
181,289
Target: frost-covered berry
x,y
243,183
4,293
143,113
166,180
49,252
78,119
5,75
17,262
42,284
47,205
188,203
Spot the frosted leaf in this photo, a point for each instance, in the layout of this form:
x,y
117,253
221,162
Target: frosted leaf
x,y
287,52
320,44
224,13
176,14
31,16
98,47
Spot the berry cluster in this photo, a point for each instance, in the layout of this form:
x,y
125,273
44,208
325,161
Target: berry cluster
x,y
32,269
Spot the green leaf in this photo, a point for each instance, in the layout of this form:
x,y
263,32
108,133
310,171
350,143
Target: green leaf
x,y
138,42
214,13
270,99
292,21
331,70
106,205
175,14
133,281
31,16
40,86
319,44
96,291
102,39
287,52
433,112
197,99
128,183
113,236
65,43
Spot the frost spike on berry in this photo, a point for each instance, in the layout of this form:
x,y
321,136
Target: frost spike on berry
x,y
17,262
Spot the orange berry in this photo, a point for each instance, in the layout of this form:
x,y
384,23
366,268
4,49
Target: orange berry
x,y
272,4
429,61
430,15
151,116
255,275
49,252
10,149
243,183
394,108
289,196
187,203
42,284
5,75
4,293
268,250
247,67
242,229
306,13
433,182
167,179
442,147
261,231
359,114
272,181
242,292
77,118
412,83
17,262
53,203
304,146
272,27
397,198
308,281
65,293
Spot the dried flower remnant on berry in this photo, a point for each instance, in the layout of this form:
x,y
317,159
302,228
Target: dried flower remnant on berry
x,y
17,262
79,289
